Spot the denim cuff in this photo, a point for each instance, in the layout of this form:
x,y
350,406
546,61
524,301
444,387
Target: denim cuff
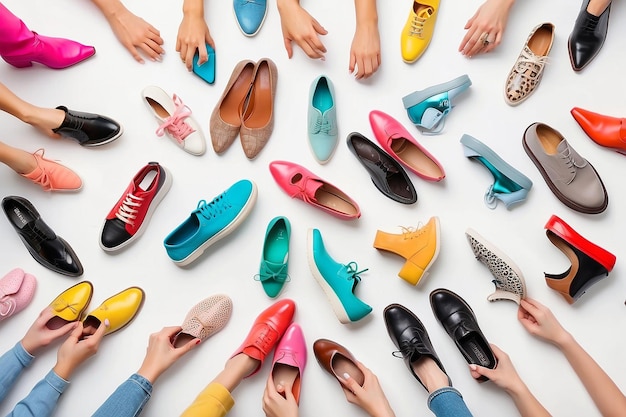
x,y
142,382
440,391
56,382
22,355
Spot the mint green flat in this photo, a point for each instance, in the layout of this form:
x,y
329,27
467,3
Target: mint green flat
x,y
274,264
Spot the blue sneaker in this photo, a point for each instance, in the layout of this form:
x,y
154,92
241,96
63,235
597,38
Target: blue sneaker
x,y
250,15
337,280
210,222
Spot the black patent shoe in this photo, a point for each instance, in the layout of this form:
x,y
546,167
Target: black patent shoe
x,y
458,319
43,244
409,335
386,173
88,129
587,37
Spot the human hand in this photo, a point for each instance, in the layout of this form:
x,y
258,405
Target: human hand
x,y
490,18
370,397
299,26
193,33
134,32
504,375
539,321
77,349
278,402
161,354
365,50
39,335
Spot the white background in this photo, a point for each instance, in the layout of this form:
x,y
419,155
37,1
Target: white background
x,y
110,83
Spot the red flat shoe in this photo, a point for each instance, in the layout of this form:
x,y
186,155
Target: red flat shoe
x,y
589,262
266,331
604,130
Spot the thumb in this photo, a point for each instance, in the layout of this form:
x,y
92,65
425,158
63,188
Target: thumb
x,y
478,371
350,383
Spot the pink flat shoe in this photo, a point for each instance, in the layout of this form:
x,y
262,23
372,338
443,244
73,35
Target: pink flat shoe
x,y
290,360
205,319
399,143
17,289
299,182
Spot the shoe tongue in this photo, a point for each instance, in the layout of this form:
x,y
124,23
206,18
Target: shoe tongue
x,y
426,12
464,330
311,186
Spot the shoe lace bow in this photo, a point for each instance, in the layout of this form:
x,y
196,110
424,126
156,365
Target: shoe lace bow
x,y
213,209
175,124
270,274
572,161
490,198
353,273
528,66
408,348
322,125
409,232
43,179
7,306
127,211
417,24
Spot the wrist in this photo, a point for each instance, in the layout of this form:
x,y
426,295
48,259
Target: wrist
x,y
63,370
564,340
148,373
109,8
30,348
193,8
280,4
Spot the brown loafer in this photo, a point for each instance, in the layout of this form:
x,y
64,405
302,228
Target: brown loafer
x,y
226,117
258,118
337,360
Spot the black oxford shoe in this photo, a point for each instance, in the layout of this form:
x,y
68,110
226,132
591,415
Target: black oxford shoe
x,y
587,37
88,129
43,244
386,173
458,319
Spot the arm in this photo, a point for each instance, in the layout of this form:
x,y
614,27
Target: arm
x,y
300,27
370,397
131,30
506,377
193,33
12,363
539,321
365,49
490,18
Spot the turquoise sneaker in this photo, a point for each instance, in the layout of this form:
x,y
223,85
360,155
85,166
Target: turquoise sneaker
x,y
250,15
211,222
337,280
322,117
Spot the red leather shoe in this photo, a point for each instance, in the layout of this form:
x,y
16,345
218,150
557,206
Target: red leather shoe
x,y
267,330
299,182
604,130
590,262
399,143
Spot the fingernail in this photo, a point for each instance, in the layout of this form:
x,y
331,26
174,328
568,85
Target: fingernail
x,y
346,375
198,341
107,323
279,387
473,367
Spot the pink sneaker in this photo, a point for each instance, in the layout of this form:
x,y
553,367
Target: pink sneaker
x,y
16,292
53,176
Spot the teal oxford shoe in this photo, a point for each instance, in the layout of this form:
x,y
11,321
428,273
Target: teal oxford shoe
x,y
250,15
322,115
274,263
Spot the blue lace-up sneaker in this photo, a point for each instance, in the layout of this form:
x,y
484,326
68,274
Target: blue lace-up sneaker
x,y
337,280
211,222
250,15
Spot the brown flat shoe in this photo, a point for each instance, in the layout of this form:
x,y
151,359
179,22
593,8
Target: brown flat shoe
x,y
258,118
226,117
337,360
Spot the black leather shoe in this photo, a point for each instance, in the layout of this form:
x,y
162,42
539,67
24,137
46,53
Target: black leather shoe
x,y
587,37
456,316
88,129
43,244
409,335
386,173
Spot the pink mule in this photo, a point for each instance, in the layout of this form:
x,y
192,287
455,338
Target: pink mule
x,y
17,289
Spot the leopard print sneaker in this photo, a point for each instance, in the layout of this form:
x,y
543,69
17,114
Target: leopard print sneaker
x,y
508,278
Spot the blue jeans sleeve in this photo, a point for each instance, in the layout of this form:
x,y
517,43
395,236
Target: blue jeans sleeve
x,y
128,399
42,400
448,402
12,363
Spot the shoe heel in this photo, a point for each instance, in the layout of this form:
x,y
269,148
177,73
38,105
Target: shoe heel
x,y
512,198
412,273
18,63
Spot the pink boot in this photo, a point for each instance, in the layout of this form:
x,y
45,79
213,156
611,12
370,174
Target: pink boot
x,y
20,47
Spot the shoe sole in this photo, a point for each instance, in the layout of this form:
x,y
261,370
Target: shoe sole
x,y
335,302
243,214
419,96
155,202
94,145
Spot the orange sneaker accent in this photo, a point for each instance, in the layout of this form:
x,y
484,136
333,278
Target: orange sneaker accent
x,y
53,176
419,247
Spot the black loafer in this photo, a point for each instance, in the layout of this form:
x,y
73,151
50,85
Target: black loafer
x,y
456,316
386,173
43,244
409,335
587,37
88,129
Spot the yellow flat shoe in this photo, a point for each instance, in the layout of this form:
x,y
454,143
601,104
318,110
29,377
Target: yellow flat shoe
x,y
70,305
119,309
418,30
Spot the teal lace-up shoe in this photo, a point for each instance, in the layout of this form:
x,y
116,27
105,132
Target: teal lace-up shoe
x,y
510,186
322,117
211,222
250,15
428,108
274,263
337,280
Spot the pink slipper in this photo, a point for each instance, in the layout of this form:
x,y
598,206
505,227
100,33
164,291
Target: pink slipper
x,y
17,289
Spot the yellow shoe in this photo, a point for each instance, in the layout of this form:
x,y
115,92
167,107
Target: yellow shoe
x,y
418,30
120,309
419,247
70,305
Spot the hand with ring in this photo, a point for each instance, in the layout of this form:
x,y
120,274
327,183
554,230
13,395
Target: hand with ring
x,y
485,28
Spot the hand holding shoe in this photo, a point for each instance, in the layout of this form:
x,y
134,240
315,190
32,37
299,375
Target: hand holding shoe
x,y
161,354
539,321
39,335
370,396
76,349
193,33
504,375
277,401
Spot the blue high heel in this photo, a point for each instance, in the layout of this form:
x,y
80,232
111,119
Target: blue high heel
x,y
427,108
510,186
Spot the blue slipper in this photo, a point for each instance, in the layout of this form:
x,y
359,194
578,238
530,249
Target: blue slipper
x,y
205,71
